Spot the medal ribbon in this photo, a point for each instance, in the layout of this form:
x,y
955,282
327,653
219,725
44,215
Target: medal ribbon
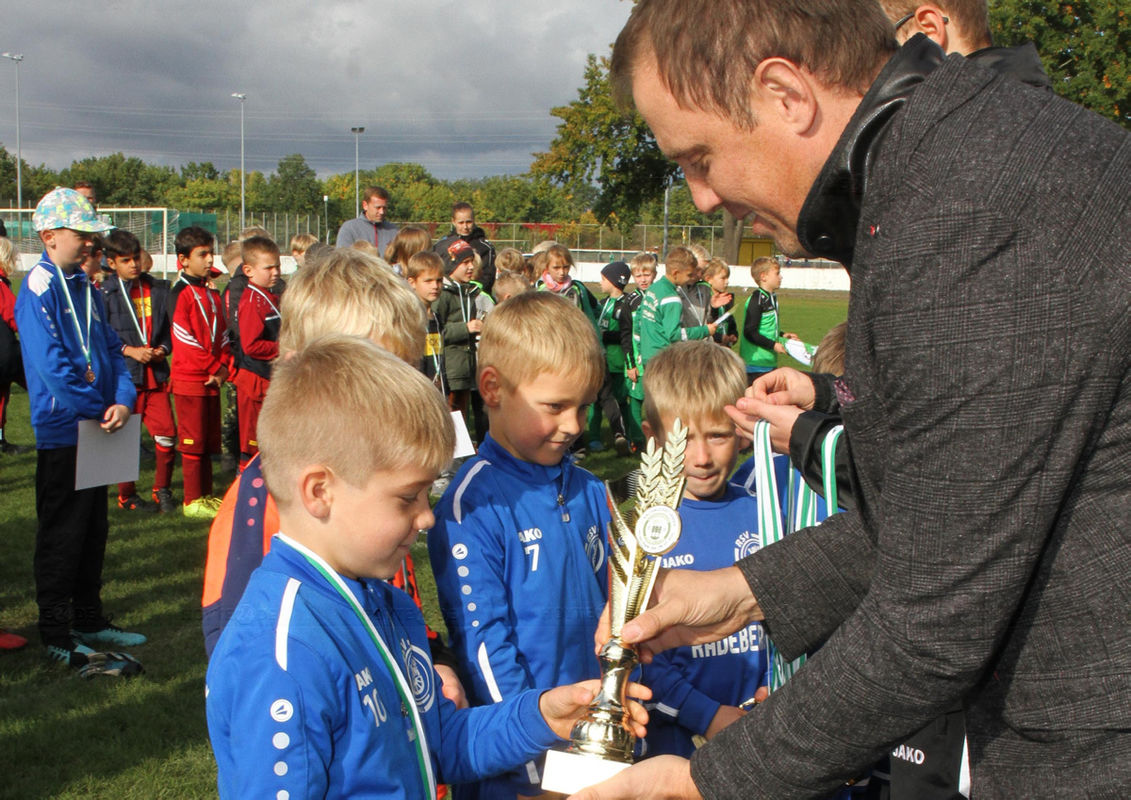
x,y
407,702
141,328
263,294
84,344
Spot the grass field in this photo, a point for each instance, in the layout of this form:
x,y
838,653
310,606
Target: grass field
x,y
62,737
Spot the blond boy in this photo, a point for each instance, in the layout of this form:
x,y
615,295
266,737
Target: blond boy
x,y
259,322
699,690
300,243
424,272
762,338
509,284
661,313
518,549
322,684
643,268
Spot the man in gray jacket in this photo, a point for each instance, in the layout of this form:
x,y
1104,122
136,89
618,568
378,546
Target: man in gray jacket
x,y
371,225
987,398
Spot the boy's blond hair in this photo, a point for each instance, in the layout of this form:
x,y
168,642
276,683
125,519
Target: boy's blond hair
x,y
368,248
510,284
538,263
539,332
352,293
510,260
255,246
410,240
320,408
643,261
253,230
9,257
716,266
692,381
761,266
232,255
701,254
424,261
680,258
301,242
830,352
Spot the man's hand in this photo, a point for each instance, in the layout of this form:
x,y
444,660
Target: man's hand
x,y
474,325
115,417
450,685
690,607
565,705
657,778
783,387
746,412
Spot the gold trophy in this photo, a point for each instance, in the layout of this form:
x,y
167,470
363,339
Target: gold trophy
x,y
601,743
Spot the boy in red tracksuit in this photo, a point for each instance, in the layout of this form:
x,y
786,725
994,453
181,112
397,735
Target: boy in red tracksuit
x,y
259,321
201,364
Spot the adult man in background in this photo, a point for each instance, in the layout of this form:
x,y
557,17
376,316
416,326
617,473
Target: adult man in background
x,y
464,227
989,448
370,226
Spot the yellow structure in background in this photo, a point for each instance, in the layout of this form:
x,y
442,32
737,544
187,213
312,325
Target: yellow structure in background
x,y
753,247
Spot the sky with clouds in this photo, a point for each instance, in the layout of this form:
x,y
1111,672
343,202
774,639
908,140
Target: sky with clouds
x,y
464,88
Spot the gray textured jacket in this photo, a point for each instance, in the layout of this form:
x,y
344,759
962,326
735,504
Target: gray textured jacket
x,y
987,396
380,234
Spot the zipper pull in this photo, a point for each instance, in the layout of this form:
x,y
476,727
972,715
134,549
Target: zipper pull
x,y
565,511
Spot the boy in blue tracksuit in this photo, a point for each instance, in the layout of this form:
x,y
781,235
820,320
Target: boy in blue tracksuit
x,y
699,690
321,684
518,550
75,371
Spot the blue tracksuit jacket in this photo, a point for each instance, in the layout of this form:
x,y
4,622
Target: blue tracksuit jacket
x,y
690,683
521,587
53,357
301,705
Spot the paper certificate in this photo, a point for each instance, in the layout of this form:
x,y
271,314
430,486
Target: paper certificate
x,y
464,447
105,458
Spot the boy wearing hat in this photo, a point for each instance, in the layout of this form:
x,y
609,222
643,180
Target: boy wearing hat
x,y
614,324
458,316
75,371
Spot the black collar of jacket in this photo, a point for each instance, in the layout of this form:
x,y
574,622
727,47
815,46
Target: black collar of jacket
x,y
827,224
1022,63
192,280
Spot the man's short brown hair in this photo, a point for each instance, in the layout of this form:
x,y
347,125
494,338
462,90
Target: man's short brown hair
x,y
970,17
707,55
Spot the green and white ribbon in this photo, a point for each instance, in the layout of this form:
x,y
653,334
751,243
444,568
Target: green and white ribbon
x,y
408,703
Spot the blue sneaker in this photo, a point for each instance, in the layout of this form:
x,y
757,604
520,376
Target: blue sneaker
x,y
596,446
72,654
109,635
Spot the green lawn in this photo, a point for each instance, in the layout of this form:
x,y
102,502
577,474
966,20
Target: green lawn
x,y
146,738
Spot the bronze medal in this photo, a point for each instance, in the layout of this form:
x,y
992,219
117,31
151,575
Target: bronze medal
x,y
89,375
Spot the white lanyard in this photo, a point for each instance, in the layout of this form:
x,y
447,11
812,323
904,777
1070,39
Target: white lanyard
x,y
696,310
84,344
142,328
210,322
263,294
424,762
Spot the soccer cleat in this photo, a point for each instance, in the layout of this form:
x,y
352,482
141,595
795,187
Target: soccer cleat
x,y
135,503
11,641
71,653
165,502
109,635
596,446
621,445
111,664
203,507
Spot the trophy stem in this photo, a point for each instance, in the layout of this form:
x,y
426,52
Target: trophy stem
x,y
604,731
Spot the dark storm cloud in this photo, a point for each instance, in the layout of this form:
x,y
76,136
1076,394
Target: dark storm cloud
x,y
464,88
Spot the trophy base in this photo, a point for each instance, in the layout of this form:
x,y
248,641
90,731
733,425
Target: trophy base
x,y
567,772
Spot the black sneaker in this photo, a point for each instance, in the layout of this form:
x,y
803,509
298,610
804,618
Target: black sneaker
x,y
10,449
135,503
165,502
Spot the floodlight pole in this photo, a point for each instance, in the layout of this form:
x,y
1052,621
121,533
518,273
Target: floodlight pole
x,y
356,183
326,209
18,57
241,97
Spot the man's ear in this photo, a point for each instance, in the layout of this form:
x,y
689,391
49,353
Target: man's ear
x,y
316,490
490,386
786,90
929,19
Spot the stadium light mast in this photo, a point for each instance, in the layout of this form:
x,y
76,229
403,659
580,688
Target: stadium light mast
x,y
18,57
356,184
241,97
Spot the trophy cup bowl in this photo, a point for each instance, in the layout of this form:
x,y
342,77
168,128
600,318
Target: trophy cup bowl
x,y
601,742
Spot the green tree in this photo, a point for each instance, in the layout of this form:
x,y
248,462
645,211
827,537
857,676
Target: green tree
x,y
205,170
1085,47
122,181
294,187
597,144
